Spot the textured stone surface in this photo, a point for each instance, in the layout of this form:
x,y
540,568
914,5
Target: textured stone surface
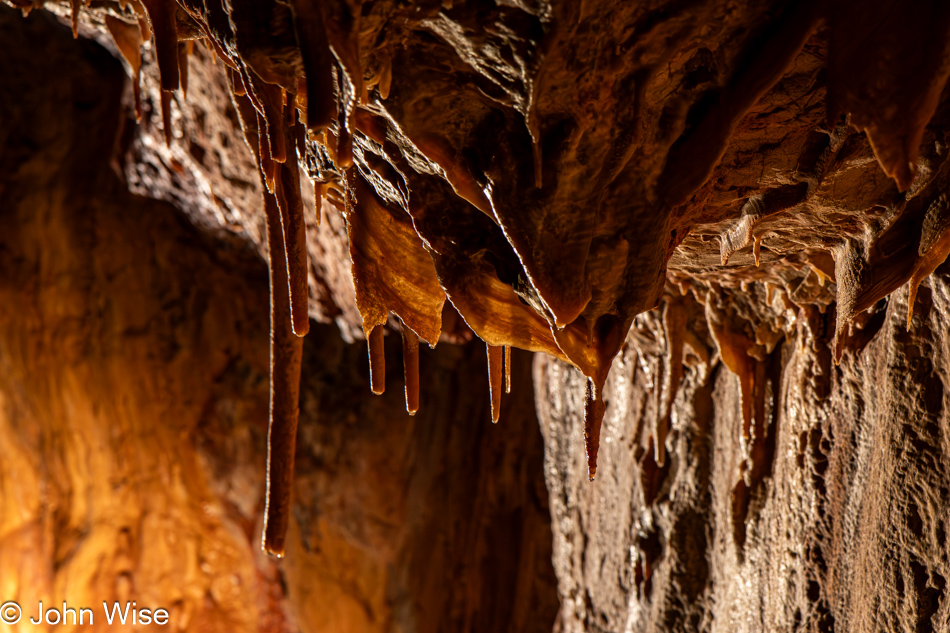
x,y
846,530
133,410
771,177
548,167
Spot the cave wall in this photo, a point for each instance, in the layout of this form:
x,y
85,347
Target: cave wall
x,y
843,524
134,399
747,481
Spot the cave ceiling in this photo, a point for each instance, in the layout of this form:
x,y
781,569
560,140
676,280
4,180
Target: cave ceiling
x,y
548,171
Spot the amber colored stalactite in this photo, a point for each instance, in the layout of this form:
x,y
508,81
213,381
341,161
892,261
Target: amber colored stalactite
x,y
248,87
594,409
294,233
410,362
286,345
286,355
267,164
507,368
495,375
75,5
236,83
377,360
495,312
161,14
318,64
271,103
167,117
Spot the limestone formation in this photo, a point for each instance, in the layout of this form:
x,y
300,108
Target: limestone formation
x,y
719,227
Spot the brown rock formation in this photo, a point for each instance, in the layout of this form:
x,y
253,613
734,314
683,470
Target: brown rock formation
x,y
834,520
133,409
722,201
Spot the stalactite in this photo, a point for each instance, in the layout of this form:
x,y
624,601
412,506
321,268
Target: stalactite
x,y
248,87
674,326
410,361
167,117
184,49
733,347
594,409
318,64
161,15
75,5
495,359
593,358
377,360
286,357
286,353
287,187
507,368
271,100
385,78
236,81
268,166
823,277
480,296
761,392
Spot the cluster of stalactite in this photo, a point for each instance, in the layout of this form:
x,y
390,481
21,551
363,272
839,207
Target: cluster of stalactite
x,y
530,162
